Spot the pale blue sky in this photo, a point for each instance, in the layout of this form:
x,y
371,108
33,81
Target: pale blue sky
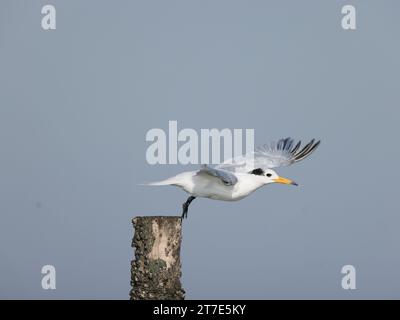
x,y
76,103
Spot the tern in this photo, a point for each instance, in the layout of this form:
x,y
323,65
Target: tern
x,y
237,178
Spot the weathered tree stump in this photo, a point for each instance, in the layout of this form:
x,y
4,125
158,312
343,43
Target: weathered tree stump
x,y
156,270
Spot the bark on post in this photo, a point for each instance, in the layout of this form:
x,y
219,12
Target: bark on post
x,y
156,270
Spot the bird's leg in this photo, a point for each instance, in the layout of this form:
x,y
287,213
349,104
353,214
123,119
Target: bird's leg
x,y
185,206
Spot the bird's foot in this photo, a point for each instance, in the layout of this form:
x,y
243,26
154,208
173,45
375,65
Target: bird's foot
x,y
185,208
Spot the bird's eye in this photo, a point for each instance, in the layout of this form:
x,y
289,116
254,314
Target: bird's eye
x,y
269,175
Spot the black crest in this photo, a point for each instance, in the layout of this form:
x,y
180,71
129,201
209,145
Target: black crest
x,y
258,172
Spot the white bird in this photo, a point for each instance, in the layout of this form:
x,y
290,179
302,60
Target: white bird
x,y
236,178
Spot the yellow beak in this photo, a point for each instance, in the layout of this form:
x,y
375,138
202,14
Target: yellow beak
x,y
285,181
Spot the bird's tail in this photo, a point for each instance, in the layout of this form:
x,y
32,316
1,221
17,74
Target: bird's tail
x,y
166,182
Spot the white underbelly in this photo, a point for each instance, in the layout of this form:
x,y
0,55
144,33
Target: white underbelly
x,y
213,188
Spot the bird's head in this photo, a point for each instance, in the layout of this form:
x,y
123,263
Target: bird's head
x,y
270,176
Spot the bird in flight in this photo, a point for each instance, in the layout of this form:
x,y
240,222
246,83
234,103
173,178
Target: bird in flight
x,y
236,178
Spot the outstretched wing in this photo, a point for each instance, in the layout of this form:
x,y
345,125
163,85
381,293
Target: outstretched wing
x,y
276,154
228,178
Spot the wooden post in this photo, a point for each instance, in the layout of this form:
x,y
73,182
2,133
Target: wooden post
x,y
156,270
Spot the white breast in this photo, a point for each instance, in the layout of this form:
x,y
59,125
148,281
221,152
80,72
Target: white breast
x,y
211,187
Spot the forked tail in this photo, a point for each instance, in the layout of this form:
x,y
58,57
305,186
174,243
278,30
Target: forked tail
x,y
166,182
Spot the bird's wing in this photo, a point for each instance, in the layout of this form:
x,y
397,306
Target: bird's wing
x,y
276,154
228,178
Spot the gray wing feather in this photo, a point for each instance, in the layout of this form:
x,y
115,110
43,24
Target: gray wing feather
x,y
228,178
283,153
277,154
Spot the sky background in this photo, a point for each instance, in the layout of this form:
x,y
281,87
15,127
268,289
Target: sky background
x,y
76,104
